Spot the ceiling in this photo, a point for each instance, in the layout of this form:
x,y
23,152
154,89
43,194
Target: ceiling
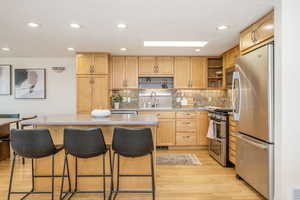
x,y
156,20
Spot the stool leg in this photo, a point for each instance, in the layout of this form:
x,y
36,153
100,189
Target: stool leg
x,y
104,176
62,178
11,176
68,171
152,176
118,176
52,194
111,172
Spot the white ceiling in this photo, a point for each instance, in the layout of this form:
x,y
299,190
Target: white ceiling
x,y
169,20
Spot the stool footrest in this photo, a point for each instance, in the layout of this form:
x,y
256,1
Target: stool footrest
x,y
93,175
84,192
30,192
48,176
136,175
133,191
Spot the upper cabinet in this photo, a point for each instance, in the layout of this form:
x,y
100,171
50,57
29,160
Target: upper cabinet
x,y
92,63
190,72
124,72
257,34
156,66
230,56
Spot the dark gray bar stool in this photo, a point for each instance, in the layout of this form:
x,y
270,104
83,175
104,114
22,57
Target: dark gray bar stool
x,y
84,143
33,144
132,142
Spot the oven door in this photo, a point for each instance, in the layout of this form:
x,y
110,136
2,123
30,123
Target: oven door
x,y
220,129
217,149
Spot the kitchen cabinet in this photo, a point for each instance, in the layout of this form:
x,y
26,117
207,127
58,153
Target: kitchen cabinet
x,y
258,33
182,72
124,72
92,93
92,63
233,130
190,72
198,72
230,56
165,133
156,65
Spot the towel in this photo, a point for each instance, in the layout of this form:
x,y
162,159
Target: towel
x,y
211,132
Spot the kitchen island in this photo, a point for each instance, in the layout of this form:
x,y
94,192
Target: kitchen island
x,y
56,125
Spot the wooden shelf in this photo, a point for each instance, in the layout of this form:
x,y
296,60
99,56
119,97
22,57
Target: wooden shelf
x,y
215,77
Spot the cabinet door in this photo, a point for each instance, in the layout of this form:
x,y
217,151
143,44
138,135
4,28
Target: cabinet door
x,y
131,72
265,28
147,65
100,92
100,64
84,94
247,38
182,71
166,132
198,72
202,128
84,63
118,72
165,65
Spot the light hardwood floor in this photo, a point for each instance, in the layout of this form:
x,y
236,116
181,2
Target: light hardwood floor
x,y
208,181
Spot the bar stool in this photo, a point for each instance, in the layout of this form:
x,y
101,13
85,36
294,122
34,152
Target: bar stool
x,y
133,142
33,144
84,143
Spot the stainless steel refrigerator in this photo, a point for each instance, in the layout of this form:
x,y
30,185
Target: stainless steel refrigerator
x,y
253,105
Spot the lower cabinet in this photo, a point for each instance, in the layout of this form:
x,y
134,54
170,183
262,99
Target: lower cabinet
x,y
166,132
233,129
181,128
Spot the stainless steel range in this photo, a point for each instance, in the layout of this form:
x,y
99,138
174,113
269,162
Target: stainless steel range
x,y
218,146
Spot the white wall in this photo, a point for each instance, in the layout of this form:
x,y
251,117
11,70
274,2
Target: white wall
x,y
60,87
287,142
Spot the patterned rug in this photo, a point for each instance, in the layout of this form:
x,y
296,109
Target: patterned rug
x,y
177,159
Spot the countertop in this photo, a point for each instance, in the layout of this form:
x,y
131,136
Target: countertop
x,y
5,121
205,108
80,119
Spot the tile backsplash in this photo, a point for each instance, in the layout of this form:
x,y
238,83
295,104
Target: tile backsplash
x,y
148,98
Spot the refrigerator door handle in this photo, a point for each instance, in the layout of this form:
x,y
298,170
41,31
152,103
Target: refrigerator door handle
x,y
250,141
236,95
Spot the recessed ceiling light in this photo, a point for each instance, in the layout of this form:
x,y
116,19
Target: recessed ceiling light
x,y
75,25
71,49
5,49
122,26
33,25
123,49
197,50
223,27
175,43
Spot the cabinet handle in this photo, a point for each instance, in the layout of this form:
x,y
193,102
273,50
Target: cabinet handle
x,y
154,69
187,123
157,69
254,36
125,83
186,137
91,70
191,83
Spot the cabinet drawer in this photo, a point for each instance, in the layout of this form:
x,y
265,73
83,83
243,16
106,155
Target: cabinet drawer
x,y
186,115
160,115
185,125
183,138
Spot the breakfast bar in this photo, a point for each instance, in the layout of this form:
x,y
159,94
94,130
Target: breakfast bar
x,y
56,125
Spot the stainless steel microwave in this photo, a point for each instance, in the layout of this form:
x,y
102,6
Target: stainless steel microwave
x,y
229,74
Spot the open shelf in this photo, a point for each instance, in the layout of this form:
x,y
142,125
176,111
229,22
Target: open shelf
x,y
215,73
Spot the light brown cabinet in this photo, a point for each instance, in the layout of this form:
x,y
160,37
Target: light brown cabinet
x,y
124,72
190,72
156,65
202,127
165,133
92,63
233,129
258,33
230,56
92,92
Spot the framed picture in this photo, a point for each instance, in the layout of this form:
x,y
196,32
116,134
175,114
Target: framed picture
x,y
5,79
30,83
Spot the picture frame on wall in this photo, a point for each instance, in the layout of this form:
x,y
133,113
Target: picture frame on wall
x,y
5,79
30,83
